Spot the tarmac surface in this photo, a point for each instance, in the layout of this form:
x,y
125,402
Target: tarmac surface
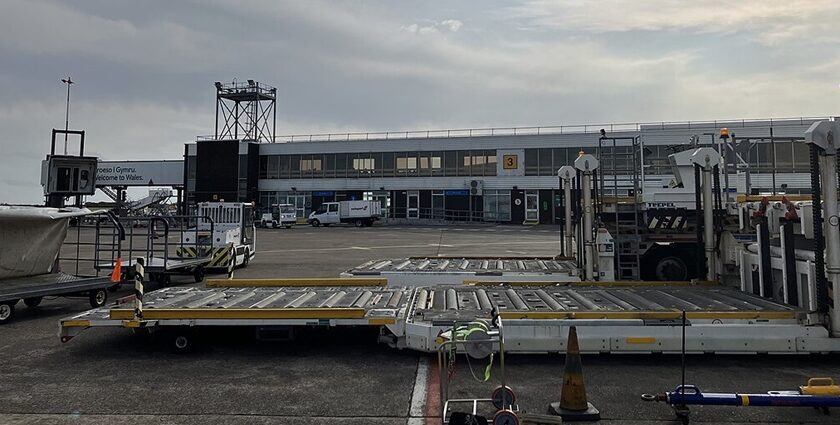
x,y
344,377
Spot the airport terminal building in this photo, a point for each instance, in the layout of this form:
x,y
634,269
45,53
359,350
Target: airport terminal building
x,y
497,175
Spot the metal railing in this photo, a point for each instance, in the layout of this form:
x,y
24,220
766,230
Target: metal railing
x,y
534,130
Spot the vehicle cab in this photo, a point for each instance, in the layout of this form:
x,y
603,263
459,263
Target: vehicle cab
x,y
285,214
326,214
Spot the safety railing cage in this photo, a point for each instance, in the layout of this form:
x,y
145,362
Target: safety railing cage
x,y
158,240
91,240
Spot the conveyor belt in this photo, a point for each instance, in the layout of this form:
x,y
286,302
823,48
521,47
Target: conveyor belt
x,y
417,271
609,319
527,302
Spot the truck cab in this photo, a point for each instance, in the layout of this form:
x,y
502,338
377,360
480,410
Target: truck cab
x,y
280,215
234,232
326,214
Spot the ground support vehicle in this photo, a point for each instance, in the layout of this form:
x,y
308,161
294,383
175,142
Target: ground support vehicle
x,y
360,213
43,256
232,233
609,319
168,246
425,271
280,215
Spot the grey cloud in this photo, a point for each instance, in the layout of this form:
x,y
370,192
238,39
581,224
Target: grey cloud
x,y
145,72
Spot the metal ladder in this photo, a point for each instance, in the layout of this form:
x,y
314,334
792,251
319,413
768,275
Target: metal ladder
x,y
619,176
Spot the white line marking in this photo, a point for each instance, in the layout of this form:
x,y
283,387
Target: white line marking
x,y
406,246
416,412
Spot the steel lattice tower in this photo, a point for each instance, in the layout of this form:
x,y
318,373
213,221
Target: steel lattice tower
x,y
248,111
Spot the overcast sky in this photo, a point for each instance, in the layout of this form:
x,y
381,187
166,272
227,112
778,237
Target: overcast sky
x,y
145,70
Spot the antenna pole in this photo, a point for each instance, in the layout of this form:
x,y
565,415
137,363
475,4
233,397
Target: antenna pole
x,y
67,81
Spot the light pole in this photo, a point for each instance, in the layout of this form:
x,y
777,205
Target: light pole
x,y
67,81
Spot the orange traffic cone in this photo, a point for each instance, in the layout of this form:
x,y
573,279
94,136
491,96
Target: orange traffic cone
x,y
573,405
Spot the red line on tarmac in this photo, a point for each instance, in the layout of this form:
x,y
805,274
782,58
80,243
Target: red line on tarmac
x,y
433,406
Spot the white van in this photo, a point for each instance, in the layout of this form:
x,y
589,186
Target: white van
x,y
360,213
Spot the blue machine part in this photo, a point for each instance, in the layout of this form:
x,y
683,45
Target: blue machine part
x,y
691,395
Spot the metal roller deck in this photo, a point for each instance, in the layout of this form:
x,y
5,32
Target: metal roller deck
x,y
425,271
608,319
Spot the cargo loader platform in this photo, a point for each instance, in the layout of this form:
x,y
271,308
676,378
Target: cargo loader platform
x,y
427,271
622,319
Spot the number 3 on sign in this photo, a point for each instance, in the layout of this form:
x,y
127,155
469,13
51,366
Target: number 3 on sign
x,y
510,162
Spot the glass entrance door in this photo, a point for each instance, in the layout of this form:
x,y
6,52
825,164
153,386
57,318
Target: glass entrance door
x,y
413,204
299,201
532,205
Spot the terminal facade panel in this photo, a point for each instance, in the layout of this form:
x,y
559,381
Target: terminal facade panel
x,y
495,178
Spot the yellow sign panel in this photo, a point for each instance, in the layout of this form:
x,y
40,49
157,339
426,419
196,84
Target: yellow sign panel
x,y
510,162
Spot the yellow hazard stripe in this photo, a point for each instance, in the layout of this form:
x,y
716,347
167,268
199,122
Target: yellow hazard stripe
x,y
381,321
775,198
76,323
303,281
186,251
649,315
241,313
640,340
616,284
745,400
131,323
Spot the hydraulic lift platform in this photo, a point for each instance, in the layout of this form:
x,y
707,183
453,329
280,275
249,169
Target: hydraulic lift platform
x,y
428,271
631,319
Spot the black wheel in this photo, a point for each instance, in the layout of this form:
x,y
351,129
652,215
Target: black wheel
x,y
163,279
98,298
182,342
33,302
360,223
505,417
503,396
368,223
198,274
315,223
671,268
288,227
7,311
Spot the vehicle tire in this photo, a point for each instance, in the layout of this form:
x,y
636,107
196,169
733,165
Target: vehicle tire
x,y
671,268
503,396
506,417
182,341
163,280
247,258
33,302
368,223
315,223
198,274
7,311
98,298
360,223
288,227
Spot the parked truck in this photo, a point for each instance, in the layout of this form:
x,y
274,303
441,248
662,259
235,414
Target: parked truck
x,y
360,213
280,215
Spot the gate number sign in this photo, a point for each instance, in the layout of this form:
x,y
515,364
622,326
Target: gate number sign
x,y
510,162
